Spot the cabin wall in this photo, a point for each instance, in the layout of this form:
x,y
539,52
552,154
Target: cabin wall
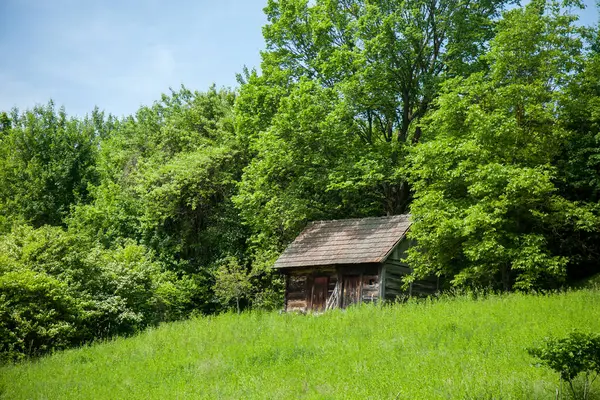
x,y
354,283
295,293
396,268
370,288
300,287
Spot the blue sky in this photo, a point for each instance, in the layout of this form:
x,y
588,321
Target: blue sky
x,y
122,54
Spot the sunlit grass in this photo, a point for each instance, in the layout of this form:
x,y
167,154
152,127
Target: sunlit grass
x,y
447,349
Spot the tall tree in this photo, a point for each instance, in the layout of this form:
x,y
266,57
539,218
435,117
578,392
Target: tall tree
x,y
387,57
47,161
167,178
579,162
488,205
329,121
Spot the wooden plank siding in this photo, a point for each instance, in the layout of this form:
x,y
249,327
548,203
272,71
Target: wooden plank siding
x,y
301,285
370,288
296,295
396,268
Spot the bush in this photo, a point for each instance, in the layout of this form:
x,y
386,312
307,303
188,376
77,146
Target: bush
x,y
570,356
232,282
37,315
59,290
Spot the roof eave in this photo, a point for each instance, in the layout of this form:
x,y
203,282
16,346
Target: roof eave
x,y
385,257
331,264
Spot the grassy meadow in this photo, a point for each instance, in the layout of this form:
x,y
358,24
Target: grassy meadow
x,y
456,348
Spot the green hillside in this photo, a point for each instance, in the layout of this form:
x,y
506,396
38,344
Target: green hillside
x,y
480,119
452,348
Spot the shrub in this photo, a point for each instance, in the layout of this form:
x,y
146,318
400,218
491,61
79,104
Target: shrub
x,y
37,315
570,356
232,282
58,290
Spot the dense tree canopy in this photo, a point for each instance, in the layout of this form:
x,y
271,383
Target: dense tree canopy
x,y
55,156
488,208
332,117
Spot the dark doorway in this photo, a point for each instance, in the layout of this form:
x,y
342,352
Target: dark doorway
x,y
319,293
351,290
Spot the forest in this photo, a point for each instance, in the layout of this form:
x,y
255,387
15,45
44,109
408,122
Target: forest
x,y
480,118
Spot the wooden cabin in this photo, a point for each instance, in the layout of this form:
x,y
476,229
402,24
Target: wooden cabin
x,y
334,264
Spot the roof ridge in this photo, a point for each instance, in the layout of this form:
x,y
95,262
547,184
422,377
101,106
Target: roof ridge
x,y
360,219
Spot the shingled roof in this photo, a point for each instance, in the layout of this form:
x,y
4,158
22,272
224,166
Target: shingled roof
x,y
346,241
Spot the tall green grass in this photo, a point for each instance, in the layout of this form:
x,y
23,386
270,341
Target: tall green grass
x,y
448,349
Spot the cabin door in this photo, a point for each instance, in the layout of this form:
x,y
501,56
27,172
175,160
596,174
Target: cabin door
x,y
319,293
350,290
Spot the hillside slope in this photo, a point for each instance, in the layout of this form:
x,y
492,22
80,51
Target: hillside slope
x,y
454,348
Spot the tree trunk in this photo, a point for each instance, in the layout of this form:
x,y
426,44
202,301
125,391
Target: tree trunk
x,y
417,136
396,198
